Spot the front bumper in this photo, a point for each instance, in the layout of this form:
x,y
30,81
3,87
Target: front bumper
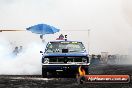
x,y
64,70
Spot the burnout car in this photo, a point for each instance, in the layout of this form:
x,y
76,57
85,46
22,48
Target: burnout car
x,y
64,59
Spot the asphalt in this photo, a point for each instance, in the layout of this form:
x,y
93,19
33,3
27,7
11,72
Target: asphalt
x,y
36,81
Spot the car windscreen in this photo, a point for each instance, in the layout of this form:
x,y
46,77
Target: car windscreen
x,y
59,46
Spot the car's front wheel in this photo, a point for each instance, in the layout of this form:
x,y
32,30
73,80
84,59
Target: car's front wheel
x,y
44,73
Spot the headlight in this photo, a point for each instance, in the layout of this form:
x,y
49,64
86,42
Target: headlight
x,y
46,60
84,60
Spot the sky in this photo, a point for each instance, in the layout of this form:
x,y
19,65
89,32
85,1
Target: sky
x,y
109,22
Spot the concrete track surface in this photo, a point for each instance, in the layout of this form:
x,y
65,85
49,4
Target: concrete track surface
x,y
36,81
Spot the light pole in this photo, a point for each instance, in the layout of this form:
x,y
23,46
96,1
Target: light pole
x,y
88,40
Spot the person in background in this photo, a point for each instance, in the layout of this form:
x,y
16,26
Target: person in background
x,y
20,50
15,51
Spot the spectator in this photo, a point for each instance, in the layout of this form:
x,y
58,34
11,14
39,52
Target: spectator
x,y
15,51
20,50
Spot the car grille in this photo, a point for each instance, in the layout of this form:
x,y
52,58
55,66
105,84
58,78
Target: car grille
x,y
65,59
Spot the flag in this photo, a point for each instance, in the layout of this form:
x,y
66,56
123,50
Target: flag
x,y
61,37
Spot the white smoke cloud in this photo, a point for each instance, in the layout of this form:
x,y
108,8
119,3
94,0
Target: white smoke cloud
x,y
25,63
109,21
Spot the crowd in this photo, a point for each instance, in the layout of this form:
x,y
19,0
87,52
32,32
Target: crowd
x,y
109,59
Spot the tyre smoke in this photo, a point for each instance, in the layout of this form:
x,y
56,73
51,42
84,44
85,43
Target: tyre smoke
x,y
26,62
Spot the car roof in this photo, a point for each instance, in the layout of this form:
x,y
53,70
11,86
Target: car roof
x,y
64,41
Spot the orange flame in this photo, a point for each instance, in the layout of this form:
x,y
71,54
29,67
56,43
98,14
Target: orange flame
x,y
81,71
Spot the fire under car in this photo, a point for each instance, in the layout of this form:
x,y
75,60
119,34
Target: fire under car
x,y
64,59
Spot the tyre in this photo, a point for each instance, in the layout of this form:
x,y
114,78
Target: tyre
x,y
81,80
44,73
